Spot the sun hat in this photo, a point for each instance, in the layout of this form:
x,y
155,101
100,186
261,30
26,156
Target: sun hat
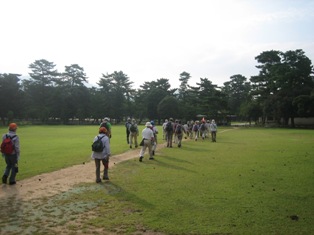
x,y
12,126
148,124
103,130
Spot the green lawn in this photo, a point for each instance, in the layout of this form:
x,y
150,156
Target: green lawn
x,y
252,181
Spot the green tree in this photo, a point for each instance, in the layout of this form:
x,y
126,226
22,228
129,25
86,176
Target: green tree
x,y
282,78
211,100
152,93
10,97
39,89
168,107
117,91
237,92
75,94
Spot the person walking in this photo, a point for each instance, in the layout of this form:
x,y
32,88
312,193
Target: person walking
x,y
164,132
179,132
103,156
11,153
169,132
133,133
148,138
202,129
195,130
155,131
107,125
127,127
213,130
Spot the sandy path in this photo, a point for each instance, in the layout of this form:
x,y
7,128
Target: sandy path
x,y
49,184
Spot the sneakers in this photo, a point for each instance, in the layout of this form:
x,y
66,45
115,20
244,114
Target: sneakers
x,y
141,158
12,183
98,181
105,177
151,158
130,146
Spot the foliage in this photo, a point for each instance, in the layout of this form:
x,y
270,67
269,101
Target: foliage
x,y
282,78
282,90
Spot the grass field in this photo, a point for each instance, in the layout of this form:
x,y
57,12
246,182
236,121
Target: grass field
x,y
252,181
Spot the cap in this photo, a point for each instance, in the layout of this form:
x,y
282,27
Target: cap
x,y
102,130
12,126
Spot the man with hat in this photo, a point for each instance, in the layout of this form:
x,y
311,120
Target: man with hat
x,y
11,159
107,125
148,139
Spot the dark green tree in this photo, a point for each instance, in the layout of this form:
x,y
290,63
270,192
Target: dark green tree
x,y
11,102
237,91
152,93
282,78
117,91
39,89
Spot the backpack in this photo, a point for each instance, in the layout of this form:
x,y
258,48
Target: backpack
x,y
195,127
179,129
7,145
133,128
169,126
203,127
98,146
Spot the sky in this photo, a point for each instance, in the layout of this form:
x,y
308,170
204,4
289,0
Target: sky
x,y
152,39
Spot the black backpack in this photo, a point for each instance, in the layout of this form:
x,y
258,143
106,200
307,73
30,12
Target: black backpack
x,y
98,146
179,129
169,126
133,128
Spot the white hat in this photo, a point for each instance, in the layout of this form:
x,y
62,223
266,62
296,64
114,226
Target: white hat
x,y
148,124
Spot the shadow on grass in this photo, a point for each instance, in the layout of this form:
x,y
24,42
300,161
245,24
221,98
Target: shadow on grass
x,y
122,194
163,161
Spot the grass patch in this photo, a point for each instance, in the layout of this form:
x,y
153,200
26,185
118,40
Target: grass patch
x,y
49,148
252,181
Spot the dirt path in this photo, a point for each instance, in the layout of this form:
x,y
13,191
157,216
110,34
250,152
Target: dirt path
x,y
49,184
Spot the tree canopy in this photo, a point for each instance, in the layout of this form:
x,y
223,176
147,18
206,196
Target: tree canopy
x,y
283,89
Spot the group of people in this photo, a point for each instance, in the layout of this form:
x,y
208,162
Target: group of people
x,y
173,132
203,129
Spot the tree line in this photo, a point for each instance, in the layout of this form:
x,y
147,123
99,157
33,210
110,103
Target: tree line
x,y
283,90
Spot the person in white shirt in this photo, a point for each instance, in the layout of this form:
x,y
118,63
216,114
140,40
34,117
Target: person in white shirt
x,y
164,132
148,139
213,130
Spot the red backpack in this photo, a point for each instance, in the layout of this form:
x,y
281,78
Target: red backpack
x,y
7,145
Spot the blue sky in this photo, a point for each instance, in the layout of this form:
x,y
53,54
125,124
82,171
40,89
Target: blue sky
x,y
148,40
